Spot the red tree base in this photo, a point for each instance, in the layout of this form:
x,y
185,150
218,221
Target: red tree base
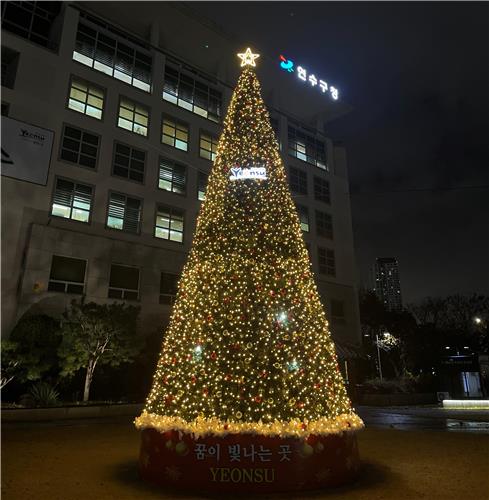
x,y
247,463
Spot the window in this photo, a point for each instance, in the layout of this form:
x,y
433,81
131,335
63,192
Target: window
x,y
338,311
201,185
208,146
172,176
67,275
321,190
128,162
303,217
86,98
326,261
174,133
169,224
192,95
298,181
124,213
31,20
307,148
324,224
10,59
5,108
168,288
133,117
72,200
79,146
123,282
105,53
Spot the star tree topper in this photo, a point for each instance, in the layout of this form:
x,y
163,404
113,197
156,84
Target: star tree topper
x,y
248,58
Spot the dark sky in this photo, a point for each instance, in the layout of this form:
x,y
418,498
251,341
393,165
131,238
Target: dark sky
x,y
417,141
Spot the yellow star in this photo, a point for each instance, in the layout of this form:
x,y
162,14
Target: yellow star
x,y
248,58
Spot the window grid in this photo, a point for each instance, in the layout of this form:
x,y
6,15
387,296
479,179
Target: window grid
x,y
326,261
72,200
128,162
303,217
67,275
79,146
187,93
169,223
298,181
133,117
307,148
324,224
124,213
168,288
321,190
172,176
174,133
201,185
208,146
112,57
86,98
123,282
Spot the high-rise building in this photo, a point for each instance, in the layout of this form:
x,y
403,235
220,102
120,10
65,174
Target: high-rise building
x,y
111,114
387,284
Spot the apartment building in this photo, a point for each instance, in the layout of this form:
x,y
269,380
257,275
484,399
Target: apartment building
x,y
387,283
111,114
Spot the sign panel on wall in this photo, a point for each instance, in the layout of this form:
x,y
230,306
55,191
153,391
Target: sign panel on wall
x,y
26,151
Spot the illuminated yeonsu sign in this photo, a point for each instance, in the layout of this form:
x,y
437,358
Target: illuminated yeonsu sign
x,y
250,172
305,75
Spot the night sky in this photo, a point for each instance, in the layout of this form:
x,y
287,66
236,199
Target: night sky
x,y
416,75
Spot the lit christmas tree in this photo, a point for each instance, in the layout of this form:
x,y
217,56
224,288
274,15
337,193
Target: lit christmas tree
x,y
248,354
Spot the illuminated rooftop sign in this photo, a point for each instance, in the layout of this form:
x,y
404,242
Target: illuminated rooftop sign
x,y
303,75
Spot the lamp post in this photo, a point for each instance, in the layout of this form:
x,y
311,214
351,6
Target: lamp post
x,y
378,356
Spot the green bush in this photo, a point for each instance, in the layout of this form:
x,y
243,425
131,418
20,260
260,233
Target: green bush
x,y
44,394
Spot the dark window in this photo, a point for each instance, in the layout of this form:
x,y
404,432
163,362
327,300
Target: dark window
x,y
201,185
107,54
298,181
303,217
72,200
67,275
124,213
123,282
31,20
79,146
337,311
192,95
168,287
172,176
128,162
324,224
326,261
10,59
5,108
307,148
169,223
321,190
208,146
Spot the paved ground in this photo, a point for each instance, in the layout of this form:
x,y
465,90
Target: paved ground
x,y
97,460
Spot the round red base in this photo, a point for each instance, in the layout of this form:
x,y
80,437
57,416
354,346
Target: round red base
x,y
247,463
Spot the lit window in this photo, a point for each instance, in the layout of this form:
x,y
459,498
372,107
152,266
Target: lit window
x,y
324,224
105,53
321,190
67,275
123,282
128,162
208,146
174,133
124,213
307,148
79,146
186,92
298,181
72,200
133,117
172,176
86,98
326,261
169,224
201,185
303,217
168,287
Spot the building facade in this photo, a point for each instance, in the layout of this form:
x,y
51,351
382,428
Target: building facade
x,y
387,283
110,121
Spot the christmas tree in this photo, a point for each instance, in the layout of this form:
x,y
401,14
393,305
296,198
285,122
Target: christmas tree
x,y
248,349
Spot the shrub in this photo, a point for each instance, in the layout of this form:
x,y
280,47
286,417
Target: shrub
x,y
44,394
